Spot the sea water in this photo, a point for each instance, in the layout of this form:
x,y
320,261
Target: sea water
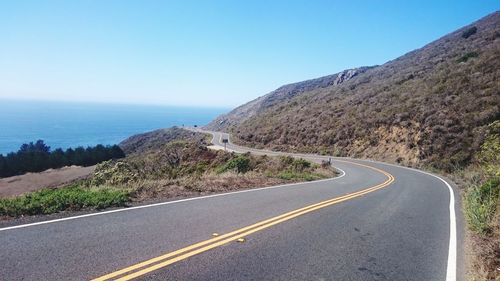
x,y
69,124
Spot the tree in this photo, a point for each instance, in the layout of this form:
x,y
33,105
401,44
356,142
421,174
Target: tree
x,y
79,158
100,153
3,166
40,146
116,152
37,157
70,156
469,32
58,158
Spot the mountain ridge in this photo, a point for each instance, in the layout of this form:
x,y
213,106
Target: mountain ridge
x,y
282,93
429,106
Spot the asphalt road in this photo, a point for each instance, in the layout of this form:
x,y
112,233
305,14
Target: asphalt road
x,y
373,222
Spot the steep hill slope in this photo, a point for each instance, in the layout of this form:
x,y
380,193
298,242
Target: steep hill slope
x,y
156,140
280,95
429,106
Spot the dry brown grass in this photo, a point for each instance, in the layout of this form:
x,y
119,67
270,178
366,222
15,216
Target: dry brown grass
x,y
483,255
208,183
187,168
426,107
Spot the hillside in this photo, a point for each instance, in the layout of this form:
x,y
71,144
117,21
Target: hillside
x,y
174,162
280,95
156,139
430,106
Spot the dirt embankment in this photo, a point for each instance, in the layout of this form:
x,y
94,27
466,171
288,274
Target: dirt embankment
x,y
17,185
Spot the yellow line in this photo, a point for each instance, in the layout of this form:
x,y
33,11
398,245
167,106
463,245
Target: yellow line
x,y
194,246
234,235
220,243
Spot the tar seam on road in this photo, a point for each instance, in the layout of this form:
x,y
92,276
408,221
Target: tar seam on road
x,y
164,260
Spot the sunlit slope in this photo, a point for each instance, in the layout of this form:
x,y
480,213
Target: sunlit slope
x,y
429,106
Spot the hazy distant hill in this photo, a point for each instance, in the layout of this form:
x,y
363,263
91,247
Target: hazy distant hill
x,y
431,105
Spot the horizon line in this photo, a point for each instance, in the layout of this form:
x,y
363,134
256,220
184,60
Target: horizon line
x,y
114,103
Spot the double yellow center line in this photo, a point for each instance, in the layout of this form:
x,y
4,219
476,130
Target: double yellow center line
x,y
156,263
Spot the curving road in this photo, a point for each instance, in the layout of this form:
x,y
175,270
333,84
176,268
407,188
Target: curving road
x,y
375,221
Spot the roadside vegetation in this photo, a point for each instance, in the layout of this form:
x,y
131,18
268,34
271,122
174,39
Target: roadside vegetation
x,y
48,201
481,204
153,170
184,168
483,195
37,157
481,184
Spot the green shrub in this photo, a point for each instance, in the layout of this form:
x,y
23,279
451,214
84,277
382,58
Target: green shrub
x,y
467,56
300,164
47,201
293,175
481,203
240,164
469,32
296,164
195,170
114,173
286,160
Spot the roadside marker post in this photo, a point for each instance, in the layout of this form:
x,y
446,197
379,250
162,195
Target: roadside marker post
x,y
225,141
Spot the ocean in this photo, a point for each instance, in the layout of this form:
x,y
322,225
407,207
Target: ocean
x,y
68,124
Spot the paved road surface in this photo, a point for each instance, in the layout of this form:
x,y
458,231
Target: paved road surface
x,y
373,222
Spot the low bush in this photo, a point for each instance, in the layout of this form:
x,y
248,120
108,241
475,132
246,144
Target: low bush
x,y
240,164
49,201
181,168
468,56
469,32
300,164
481,203
297,164
294,176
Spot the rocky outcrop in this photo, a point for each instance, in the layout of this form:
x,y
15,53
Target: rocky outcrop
x,y
345,76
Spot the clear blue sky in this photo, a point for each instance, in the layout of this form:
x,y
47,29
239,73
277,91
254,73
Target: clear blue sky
x,y
205,53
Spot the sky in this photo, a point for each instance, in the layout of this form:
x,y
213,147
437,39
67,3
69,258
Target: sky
x,y
205,53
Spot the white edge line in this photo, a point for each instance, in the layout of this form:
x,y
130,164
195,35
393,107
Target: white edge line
x,y
171,202
451,269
